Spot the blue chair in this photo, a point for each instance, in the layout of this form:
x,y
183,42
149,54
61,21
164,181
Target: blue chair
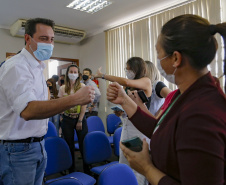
x,y
51,132
59,159
94,123
120,174
113,122
97,149
116,140
76,141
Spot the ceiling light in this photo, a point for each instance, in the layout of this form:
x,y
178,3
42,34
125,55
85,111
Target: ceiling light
x,y
89,6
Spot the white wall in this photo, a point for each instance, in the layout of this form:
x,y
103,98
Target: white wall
x,y
9,44
92,55
14,44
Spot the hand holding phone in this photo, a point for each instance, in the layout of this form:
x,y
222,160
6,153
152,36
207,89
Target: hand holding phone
x,y
135,144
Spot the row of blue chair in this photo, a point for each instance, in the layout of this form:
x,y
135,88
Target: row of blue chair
x,y
97,149
59,159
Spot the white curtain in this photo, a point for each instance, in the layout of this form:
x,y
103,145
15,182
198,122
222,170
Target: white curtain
x,y
139,38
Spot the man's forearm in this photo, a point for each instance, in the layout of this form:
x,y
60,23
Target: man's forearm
x,y
46,109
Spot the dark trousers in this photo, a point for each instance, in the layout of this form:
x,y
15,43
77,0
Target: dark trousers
x,y
68,125
93,113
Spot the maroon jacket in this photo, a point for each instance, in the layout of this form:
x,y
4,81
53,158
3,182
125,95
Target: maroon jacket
x,y
189,145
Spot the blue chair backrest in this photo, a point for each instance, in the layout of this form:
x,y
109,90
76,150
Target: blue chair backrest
x,y
58,154
66,181
113,122
94,123
51,132
96,147
116,140
120,174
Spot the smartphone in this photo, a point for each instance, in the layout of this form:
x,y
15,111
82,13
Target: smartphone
x,y
142,96
135,144
116,108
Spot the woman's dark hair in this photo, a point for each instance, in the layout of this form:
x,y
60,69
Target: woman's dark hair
x,y
67,83
138,66
30,26
193,36
54,89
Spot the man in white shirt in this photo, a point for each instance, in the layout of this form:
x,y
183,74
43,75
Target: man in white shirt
x,y
24,107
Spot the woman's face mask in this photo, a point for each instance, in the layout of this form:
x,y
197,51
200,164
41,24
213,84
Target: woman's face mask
x,y
130,74
168,77
73,76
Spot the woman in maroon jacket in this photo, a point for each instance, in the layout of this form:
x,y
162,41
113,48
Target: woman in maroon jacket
x,y
188,141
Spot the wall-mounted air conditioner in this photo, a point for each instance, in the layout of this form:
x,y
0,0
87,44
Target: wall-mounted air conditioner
x,y
62,34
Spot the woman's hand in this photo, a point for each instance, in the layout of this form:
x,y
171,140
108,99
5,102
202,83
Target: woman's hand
x,y
98,73
139,161
79,126
116,94
135,97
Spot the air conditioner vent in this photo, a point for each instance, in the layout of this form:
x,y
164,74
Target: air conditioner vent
x,y
23,24
62,34
68,33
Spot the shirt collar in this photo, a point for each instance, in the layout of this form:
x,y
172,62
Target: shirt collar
x,y
31,60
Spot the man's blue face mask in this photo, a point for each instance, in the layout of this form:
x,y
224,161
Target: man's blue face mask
x,y
44,51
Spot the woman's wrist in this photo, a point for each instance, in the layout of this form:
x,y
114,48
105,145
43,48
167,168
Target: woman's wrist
x,y
99,75
103,76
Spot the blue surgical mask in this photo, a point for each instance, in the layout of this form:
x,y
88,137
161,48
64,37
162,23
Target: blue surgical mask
x,y
44,51
168,77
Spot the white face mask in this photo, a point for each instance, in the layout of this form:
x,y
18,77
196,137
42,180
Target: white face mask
x,y
168,77
72,76
130,74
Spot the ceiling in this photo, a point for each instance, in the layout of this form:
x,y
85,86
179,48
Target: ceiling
x,y
119,12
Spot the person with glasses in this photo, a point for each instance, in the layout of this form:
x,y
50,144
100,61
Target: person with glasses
x,y
136,71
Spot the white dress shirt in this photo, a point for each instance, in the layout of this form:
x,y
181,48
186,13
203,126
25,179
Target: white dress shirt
x,y
21,81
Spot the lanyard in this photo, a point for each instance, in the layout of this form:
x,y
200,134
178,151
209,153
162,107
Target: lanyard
x,y
163,116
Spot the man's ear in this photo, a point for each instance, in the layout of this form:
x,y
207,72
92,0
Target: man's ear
x,y
177,57
27,39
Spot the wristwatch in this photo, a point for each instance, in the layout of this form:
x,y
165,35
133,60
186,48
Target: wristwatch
x,y
79,121
103,76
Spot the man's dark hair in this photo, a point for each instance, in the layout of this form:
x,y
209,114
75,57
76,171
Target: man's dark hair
x,y
63,75
87,69
55,77
30,26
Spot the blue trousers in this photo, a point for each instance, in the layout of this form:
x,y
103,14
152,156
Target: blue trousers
x,y
22,163
56,121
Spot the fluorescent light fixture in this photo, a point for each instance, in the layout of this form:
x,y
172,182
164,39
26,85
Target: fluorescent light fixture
x,y
89,6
